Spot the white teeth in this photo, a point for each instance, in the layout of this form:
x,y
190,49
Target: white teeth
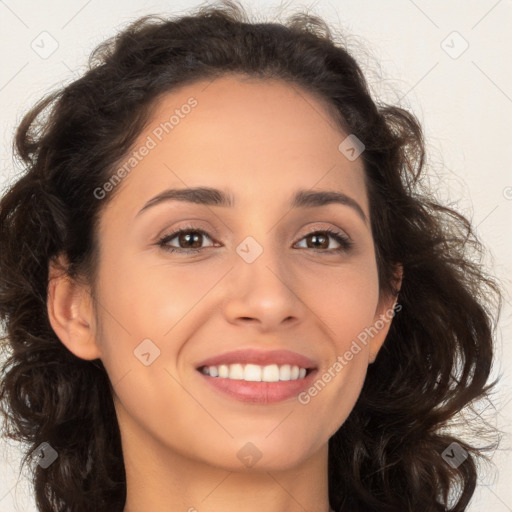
x,y
252,372
285,372
256,373
236,371
270,373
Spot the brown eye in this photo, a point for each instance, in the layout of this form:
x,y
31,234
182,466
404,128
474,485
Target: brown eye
x,y
320,240
192,237
188,240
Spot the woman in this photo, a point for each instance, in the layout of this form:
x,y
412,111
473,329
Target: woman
x,y
224,288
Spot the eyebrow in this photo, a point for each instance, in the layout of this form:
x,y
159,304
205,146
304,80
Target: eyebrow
x,y
214,197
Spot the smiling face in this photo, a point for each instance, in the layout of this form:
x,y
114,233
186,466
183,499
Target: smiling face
x,y
276,267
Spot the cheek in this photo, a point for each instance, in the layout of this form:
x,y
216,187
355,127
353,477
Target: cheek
x,y
346,300
148,299
140,301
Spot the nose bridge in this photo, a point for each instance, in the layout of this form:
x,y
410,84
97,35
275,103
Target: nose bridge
x,y
262,289
261,265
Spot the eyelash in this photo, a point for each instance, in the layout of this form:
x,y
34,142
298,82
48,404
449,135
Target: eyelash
x,y
345,242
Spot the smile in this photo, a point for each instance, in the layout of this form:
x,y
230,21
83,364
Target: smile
x,y
256,373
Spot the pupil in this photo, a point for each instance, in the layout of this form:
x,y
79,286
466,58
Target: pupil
x,y
317,237
187,238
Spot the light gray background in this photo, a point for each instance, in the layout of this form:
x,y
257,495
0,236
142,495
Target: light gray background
x,y
410,54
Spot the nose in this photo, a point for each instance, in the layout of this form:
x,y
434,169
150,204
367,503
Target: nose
x,y
262,294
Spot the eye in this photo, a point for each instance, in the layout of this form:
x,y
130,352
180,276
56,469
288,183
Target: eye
x,y
190,237
190,240
320,240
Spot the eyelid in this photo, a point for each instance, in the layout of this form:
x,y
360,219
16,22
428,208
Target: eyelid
x,y
329,229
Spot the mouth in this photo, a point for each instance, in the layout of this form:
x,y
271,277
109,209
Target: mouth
x,y
258,377
256,373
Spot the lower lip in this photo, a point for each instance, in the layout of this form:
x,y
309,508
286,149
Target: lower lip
x,y
260,392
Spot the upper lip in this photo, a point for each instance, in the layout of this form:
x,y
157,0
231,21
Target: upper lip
x,y
259,357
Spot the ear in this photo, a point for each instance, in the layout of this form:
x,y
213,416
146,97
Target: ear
x,y
383,317
70,311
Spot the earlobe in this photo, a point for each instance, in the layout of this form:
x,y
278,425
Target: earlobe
x,y
71,313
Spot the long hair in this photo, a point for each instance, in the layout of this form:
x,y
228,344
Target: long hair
x,y
437,357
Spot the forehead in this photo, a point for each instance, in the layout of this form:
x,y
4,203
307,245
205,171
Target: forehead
x,y
258,138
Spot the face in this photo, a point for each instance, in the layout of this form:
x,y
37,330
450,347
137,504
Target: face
x,y
185,279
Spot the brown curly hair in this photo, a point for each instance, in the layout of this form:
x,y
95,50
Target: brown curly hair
x,y
438,354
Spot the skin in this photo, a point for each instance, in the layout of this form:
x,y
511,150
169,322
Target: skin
x,y
261,141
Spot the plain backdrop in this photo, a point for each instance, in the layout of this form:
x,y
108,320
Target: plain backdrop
x,y
447,61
